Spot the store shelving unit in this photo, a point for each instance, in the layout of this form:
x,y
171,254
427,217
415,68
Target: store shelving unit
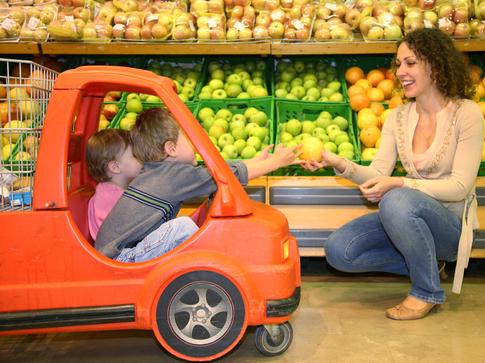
x,y
338,200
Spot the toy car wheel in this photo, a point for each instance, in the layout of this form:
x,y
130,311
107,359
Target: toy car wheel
x,y
201,314
275,343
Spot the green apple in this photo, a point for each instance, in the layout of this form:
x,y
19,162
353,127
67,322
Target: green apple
x,y
309,98
219,94
183,97
236,124
258,91
248,152
213,65
234,79
325,114
190,82
244,76
299,66
127,123
143,97
301,137
330,146
233,90
308,127
134,105
283,85
336,97
156,99
218,74
225,139
327,92
346,154
250,111
333,134
132,115
313,92
251,125
216,131
189,92
259,132
281,93
243,95
224,113
258,81
332,127
345,146
240,133
288,74
335,85
213,140
246,83
324,137
259,118
231,151
205,95
133,96
296,82
206,89
255,142
341,122
224,155
285,137
291,96
293,126
298,91
343,137
205,112
222,122
208,122
309,83
240,144
216,84
369,153
309,76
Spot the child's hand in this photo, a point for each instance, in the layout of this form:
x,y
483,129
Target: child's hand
x,y
263,155
328,159
284,156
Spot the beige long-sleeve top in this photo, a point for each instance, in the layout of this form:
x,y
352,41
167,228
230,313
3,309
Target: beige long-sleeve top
x,y
446,173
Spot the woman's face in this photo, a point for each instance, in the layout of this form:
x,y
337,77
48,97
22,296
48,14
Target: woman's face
x,y
413,73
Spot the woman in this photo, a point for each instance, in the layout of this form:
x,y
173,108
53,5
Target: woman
x,y
424,216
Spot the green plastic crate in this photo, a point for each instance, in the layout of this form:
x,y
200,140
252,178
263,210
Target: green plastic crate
x,y
286,110
238,106
234,60
330,60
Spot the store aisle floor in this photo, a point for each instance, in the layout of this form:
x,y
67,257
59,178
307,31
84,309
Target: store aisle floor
x,y
340,319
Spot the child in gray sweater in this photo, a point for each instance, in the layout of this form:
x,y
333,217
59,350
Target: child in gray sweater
x,y
170,176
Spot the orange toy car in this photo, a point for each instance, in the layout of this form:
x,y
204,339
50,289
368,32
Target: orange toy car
x,y
240,269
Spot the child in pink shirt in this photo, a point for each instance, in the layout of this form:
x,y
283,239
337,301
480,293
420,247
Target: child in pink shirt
x,y
111,163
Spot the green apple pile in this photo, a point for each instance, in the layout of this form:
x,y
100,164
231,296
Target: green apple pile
x,y
307,81
330,129
236,135
185,78
243,80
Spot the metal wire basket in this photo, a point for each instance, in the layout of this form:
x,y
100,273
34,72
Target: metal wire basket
x,y
25,88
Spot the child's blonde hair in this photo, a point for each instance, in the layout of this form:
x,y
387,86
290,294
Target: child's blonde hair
x,y
153,129
105,146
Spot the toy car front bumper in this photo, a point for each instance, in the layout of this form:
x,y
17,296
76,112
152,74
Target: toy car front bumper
x,y
283,307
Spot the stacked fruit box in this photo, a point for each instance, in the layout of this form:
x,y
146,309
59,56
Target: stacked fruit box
x,y
316,126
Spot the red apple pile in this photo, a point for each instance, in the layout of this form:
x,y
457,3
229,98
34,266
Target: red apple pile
x,y
453,18
330,23
299,19
241,22
184,28
211,27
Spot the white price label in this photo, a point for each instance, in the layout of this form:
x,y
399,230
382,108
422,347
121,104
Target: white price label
x,y
388,18
152,17
212,23
119,27
443,21
298,24
191,25
69,18
427,24
8,23
33,23
239,26
331,6
97,8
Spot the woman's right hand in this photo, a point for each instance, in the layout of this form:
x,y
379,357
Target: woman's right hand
x,y
329,159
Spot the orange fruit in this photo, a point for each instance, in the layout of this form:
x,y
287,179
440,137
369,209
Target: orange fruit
x,y
386,85
395,101
375,76
378,143
353,74
4,112
377,108
375,95
364,83
475,73
359,101
3,91
483,81
367,120
389,74
354,89
370,135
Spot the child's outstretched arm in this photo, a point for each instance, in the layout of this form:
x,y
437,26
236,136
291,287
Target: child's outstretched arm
x,y
282,156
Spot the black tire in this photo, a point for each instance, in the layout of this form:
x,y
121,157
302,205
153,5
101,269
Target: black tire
x,y
200,314
271,347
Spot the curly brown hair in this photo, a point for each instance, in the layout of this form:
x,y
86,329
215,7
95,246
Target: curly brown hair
x,y
448,67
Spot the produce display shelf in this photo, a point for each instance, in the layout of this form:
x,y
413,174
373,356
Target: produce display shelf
x,y
20,48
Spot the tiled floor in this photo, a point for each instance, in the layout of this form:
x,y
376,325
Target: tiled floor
x,y
340,319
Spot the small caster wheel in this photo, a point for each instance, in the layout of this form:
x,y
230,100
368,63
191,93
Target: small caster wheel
x,y
273,340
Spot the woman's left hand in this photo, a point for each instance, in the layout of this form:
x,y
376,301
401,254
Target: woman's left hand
x,y
375,188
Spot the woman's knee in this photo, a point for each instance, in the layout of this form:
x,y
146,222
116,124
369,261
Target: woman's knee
x,y
398,203
335,248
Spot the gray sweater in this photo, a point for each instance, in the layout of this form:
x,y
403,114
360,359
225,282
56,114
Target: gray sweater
x,y
154,197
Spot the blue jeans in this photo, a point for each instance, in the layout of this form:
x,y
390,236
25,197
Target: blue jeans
x,y
409,233
168,236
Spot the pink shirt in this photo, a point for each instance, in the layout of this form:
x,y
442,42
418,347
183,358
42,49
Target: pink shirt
x,y
104,199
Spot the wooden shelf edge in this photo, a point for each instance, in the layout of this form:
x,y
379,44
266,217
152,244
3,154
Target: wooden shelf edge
x,y
158,49
320,252
20,48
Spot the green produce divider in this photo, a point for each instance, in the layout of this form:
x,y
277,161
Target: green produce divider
x,y
286,110
332,61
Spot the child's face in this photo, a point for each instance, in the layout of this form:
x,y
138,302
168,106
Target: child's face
x,y
184,152
128,165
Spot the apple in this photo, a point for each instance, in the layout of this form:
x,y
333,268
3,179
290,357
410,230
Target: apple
x,y
225,139
239,133
276,30
255,142
260,118
369,153
249,151
205,113
293,127
462,30
240,144
134,105
392,32
231,151
127,123
216,131
110,111
311,148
